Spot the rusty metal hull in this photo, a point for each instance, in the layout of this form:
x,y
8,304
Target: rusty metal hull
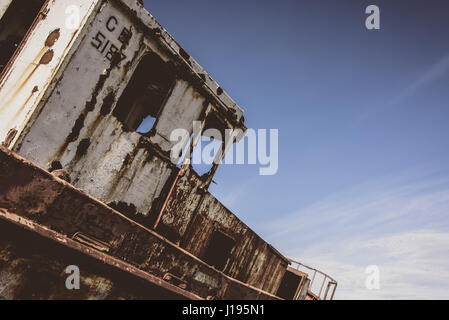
x,y
33,260
71,99
48,207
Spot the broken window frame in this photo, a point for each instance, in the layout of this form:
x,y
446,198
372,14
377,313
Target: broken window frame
x,y
210,113
206,256
129,96
295,290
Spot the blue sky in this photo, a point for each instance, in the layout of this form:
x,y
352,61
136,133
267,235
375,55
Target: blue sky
x,y
363,131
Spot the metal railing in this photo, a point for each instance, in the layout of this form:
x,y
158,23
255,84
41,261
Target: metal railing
x,y
314,275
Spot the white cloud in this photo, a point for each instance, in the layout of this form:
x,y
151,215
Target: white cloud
x,y
413,265
402,227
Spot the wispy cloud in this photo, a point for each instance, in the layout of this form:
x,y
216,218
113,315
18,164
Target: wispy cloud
x,y
437,70
400,225
429,76
412,265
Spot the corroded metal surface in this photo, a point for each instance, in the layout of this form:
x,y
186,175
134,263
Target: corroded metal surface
x,y
195,214
33,260
34,65
34,197
66,105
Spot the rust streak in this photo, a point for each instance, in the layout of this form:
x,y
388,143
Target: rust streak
x,y
19,111
44,60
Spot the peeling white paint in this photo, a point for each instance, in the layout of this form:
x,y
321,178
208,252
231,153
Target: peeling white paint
x,y
26,81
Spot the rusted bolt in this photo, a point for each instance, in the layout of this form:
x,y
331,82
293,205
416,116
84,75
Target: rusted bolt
x,y
167,277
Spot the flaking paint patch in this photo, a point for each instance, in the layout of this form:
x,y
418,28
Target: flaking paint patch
x,y
47,57
52,38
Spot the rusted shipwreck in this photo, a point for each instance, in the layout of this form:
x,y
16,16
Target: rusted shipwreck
x,y
80,186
